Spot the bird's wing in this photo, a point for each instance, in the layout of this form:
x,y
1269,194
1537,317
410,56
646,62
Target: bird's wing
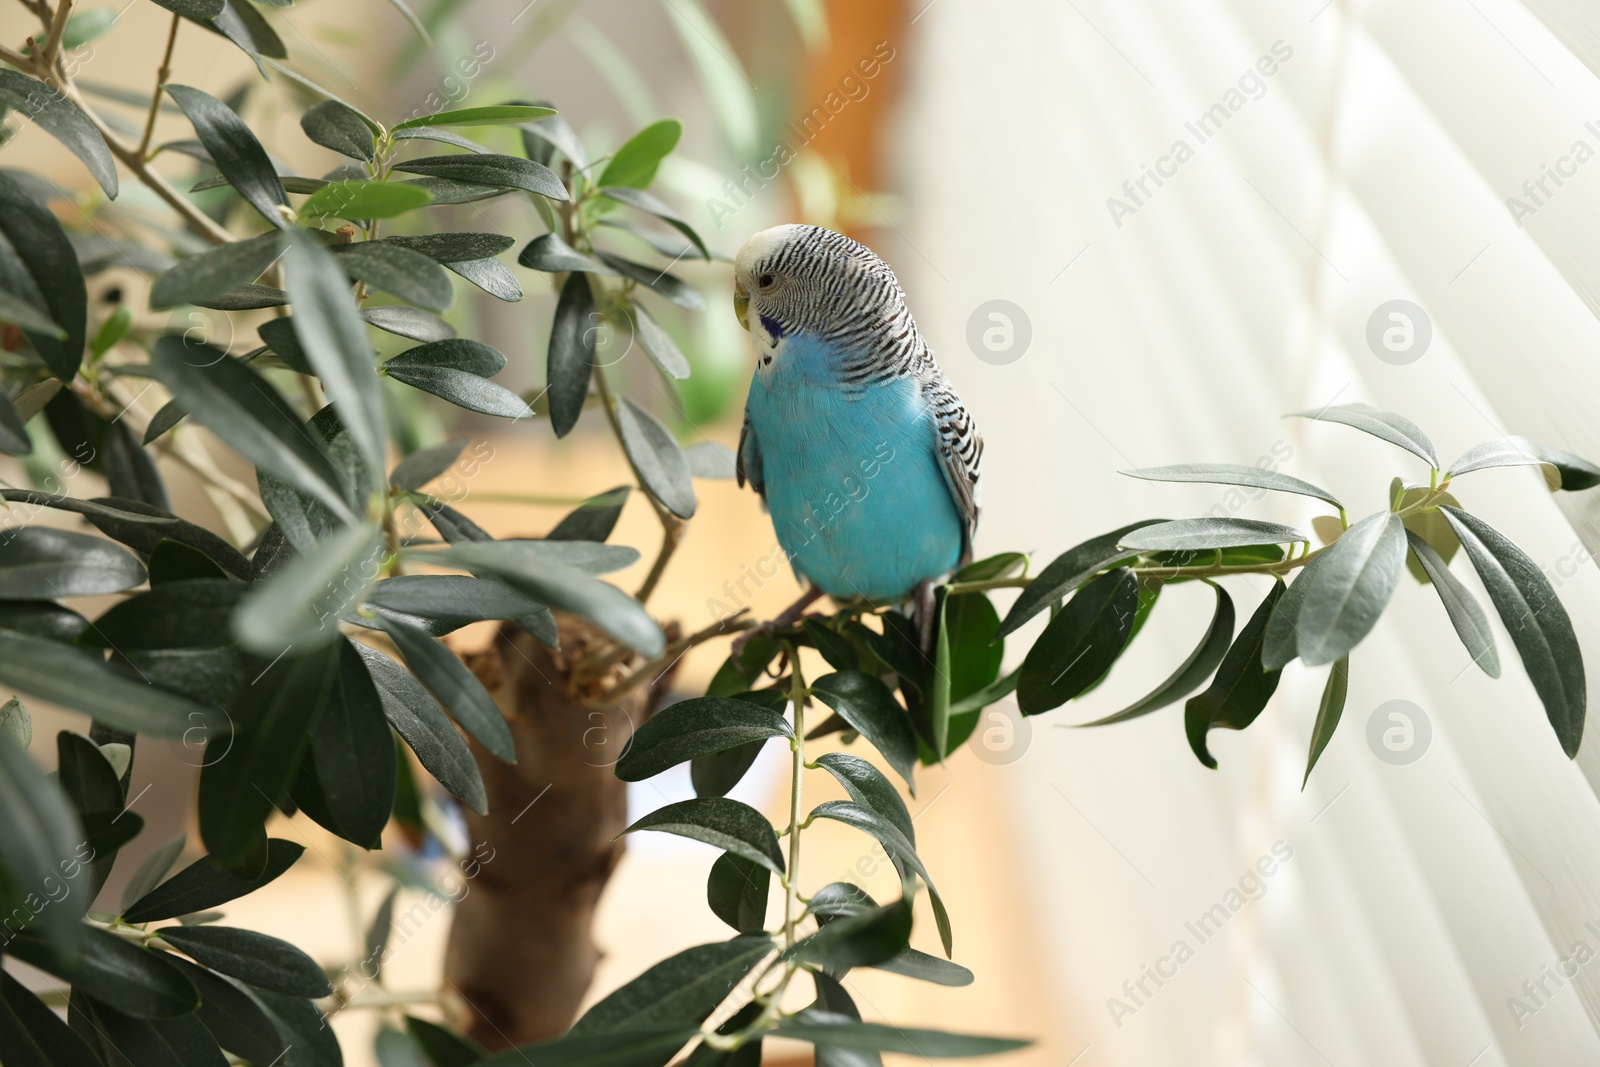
x,y
960,455
747,461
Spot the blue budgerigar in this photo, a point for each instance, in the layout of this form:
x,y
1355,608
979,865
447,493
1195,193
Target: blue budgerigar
x,y
867,459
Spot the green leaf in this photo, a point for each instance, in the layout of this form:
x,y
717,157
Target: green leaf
x,y
1000,565
1562,470
683,988
937,690
411,276
1193,672
1385,425
969,628
1233,474
174,561
865,939
40,850
406,321
28,315
461,388
618,1048
248,298
497,115
1067,572
549,253
451,601
1349,590
206,884
1281,644
1209,533
62,119
727,824
462,354
657,458
304,1029
63,675
95,789
1536,620
233,1016
1428,524
571,354
457,688
594,519
456,247
443,1047
16,722
359,199
138,981
242,24
530,567
827,1029
41,563
869,788
634,164
238,405
190,613
1080,644
1328,712
871,710
179,1042
716,774
251,957
40,266
696,727
667,286
839,899
737,892
235,151
1466,615
900,849
155,867
651,204
424,465
1241,688
299,605
834,646
352,755
34,1035
195,10
658,344
451,191
339,127
417,717
506,172
1576,473
490,275
216,271
272,718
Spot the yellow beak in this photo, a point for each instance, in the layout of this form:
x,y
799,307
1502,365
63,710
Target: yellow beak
x,y
741,305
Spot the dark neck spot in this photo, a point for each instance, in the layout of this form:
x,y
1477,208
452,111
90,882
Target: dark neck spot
x,y
772,326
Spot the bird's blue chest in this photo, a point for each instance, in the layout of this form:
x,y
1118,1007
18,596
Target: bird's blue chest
x,y
853,478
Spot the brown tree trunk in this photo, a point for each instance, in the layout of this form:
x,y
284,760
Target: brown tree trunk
x,y
521,953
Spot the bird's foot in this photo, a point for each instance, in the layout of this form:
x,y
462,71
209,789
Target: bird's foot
x,y
785,619
922,613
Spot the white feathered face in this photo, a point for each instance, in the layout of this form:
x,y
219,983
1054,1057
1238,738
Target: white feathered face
x,y
805,279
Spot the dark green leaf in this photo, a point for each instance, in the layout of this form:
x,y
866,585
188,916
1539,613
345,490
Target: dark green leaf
x,y
571,354
737,892
716,774
647,202
235,150
38,264
634,164
1536,620
696,727
195,10
490,275
867,705
336,126
411,276
62,119
248,298
233,1016
551,254
542,138
456,247
827,1028
360,199
63,675
684,988
406,321
657,344
423,466
35,1036
457,688
308,1039
1576,473
242,24
1001,565
1080,644
462,389
619,1048
1328,712
1210,533
866,939
14,438
1067,572
1241,688
352,754
657,458
462,354
272,719
154,868
497,115
451,601
834,646
869,788
444,1047
251,957
299,605
450,191
1193,672
174,561
216,271
41,851
138,981
1466,615
594,519
190,613
205,884
41,563
238,405
179,1042
668,286
1350,588
900,849
727,824
1233,474
510,172
1281,643
417,717
1386,425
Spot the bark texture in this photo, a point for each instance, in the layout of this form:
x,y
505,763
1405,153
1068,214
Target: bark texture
x,y
522,953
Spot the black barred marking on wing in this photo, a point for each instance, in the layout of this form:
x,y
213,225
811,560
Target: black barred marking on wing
x,y
823,272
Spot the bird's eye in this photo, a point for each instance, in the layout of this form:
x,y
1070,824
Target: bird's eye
x,y
765,281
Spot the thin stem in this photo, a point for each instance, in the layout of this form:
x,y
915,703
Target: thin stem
x,y
155,96
16,59
672,529
58,25
797,696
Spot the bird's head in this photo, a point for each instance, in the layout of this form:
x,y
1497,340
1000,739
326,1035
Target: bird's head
x,y
799,279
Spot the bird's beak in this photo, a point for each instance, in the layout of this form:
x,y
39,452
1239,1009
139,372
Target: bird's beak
x,y
741,304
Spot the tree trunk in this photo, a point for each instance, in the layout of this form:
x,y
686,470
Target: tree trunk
x,y
522,954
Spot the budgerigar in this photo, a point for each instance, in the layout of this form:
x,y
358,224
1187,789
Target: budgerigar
x,y
867,459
